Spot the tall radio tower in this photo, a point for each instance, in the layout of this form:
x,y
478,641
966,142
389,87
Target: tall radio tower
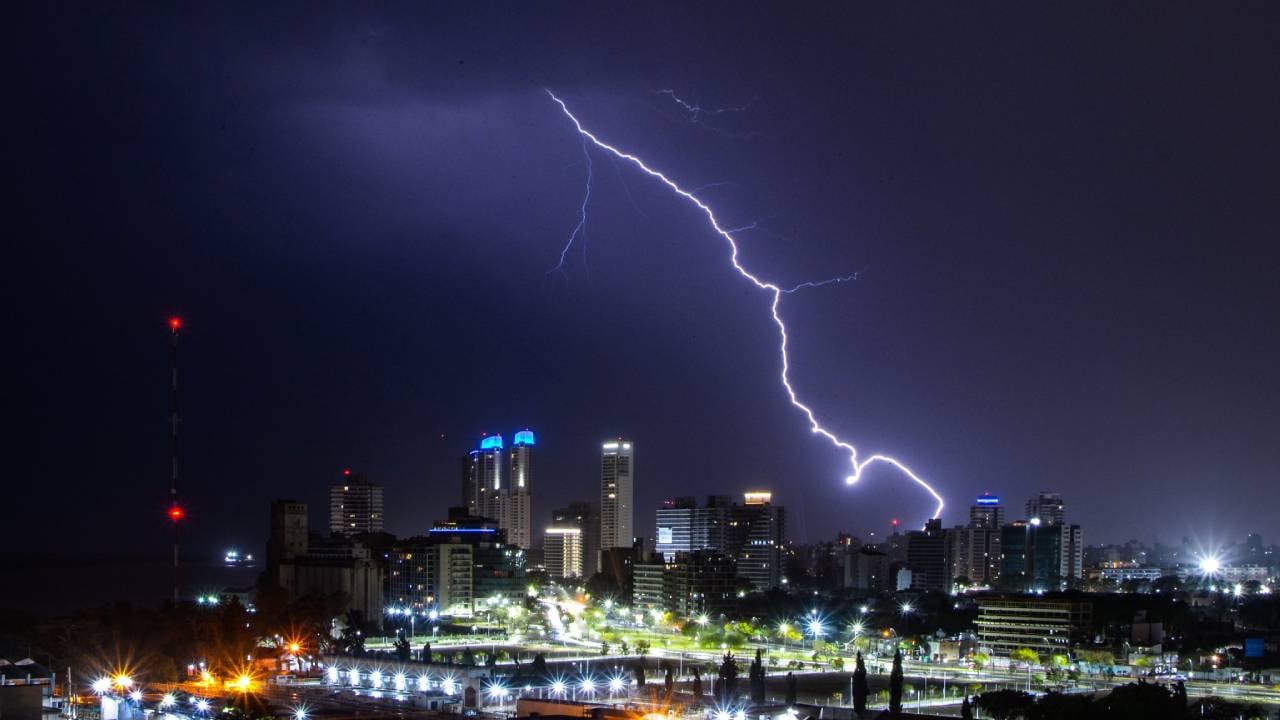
x,y
176,513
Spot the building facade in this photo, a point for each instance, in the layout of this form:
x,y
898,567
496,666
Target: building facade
x,y
562,551
1046,626
617,490
355,506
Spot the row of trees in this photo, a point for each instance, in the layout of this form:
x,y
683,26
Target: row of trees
x,y
1135,701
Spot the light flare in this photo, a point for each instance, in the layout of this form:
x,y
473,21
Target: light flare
x,y
775,292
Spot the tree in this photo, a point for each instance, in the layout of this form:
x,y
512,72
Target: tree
x,y
604,647
1026,655
539,665
980,660
860,688
895,684
669,681
728,679
642,648
1005,704
757,678
966,710
1141,700
468,656
791,689
624,648
426,652
1056,706
640,682
697,683
403,649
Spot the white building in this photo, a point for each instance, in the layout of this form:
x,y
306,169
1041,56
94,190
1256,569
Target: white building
x,y
562,552
617,487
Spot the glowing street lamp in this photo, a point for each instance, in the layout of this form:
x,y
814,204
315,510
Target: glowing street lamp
x,y
558,688
101,686
168,700
615,684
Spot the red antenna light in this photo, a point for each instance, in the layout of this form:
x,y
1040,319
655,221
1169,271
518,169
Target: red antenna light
x,y
894,522
175,323
346,472
176,512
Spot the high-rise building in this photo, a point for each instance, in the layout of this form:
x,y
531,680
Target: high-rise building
x,y
518,510
682,526
482,477
986,512
582,515
982,546
487,491
562,551
1048,508
355,506
617,486
755,537
1036,556
927,556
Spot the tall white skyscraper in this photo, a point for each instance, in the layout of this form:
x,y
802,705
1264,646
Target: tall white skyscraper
x,y
519,492
617,487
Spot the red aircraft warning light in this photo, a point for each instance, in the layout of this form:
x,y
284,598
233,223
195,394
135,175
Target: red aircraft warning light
x,y
176,512
175,323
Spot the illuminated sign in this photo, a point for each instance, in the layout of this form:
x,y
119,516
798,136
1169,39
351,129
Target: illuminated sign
x,y
524,437
493,442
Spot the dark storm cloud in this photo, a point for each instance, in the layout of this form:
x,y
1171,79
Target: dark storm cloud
x,y
1063,220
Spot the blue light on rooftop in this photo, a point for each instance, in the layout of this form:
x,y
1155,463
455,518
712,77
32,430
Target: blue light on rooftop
x,y
524,437
463,530
988,500
493,442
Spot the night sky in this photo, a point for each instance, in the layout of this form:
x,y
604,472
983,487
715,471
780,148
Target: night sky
x,y
1063,219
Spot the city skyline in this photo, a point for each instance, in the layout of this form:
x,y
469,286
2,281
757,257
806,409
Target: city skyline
x,y
1016,314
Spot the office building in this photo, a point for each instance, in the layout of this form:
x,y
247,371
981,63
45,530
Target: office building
x,y
755,537
927,557
411,573
321,567
562,551
1048,507
584,516
1047,626
355,506
867,569
682,526
982,544
1038,557
473,565
617,486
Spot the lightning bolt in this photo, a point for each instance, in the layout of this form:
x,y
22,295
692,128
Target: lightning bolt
x,y
695,109
696,112
579,230
820,283
775,292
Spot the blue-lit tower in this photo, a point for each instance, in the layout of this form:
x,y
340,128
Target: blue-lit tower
x,y
482,477
519,501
